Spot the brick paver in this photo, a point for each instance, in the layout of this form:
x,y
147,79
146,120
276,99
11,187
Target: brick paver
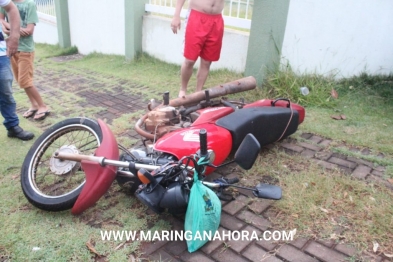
x,y
299,242
255,220
324,253
259,205
347,249
291,253
256,253
230,222
240,214
361,172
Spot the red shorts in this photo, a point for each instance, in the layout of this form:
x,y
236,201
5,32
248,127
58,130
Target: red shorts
x,y
203,36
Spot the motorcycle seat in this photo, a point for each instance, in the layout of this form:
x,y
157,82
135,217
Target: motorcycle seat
x,y
267,124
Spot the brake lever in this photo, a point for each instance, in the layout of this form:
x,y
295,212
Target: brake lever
x,y
226,182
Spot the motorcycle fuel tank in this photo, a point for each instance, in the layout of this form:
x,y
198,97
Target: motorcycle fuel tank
x,y
211,114
185,142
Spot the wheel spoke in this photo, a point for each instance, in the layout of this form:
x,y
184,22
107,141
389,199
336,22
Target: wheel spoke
x,y
47,176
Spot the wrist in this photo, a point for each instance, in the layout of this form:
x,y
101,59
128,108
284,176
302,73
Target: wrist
x,y
14,36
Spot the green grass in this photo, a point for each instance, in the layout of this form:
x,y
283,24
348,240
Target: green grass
x,y
326,204
366,101
53,50
155,75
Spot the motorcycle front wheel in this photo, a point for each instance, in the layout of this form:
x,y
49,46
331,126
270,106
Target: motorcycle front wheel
x,y
52,184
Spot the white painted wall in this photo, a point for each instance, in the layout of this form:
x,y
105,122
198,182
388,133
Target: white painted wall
x,y
45,30
159,41
339,37
97,26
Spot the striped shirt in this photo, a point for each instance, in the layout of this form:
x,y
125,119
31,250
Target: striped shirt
x,y
3,48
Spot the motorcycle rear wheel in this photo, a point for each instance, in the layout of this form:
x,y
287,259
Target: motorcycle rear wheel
x,y
52,184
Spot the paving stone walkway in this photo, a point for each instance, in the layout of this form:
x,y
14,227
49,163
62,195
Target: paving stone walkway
x,y
240,214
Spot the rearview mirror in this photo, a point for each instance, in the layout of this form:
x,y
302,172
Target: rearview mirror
x,y
247,152
268,191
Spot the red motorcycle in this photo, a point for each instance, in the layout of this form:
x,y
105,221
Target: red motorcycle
x,y
74,162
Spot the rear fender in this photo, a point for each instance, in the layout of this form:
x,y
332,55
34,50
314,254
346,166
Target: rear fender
x,y
98,178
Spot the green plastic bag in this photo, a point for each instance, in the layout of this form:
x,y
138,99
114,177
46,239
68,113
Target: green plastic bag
x,y
203,215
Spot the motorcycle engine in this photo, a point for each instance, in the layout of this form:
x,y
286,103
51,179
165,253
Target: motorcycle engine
x,y
162,120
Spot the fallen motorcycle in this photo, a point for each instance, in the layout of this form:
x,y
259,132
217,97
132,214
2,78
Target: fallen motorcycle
x,y
74,162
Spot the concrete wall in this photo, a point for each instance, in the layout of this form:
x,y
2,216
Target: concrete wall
x,y
46,30
97,26
339,37
159,41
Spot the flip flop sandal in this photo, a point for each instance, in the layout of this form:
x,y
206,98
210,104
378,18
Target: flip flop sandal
x,y
30,113
44,115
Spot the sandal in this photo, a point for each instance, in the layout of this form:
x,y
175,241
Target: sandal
x,y
44,115
29,113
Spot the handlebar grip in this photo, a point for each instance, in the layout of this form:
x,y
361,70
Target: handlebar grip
x,y
203,141
207,96
228,104
232,180
166,98
191,109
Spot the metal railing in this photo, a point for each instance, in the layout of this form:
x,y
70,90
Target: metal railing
x,y
236,13
46,7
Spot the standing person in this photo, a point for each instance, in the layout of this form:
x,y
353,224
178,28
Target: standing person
x,y
23,61
7,102
204,31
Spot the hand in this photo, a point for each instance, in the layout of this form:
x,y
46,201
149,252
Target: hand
x,y
12,45
175,25
5,29
23,32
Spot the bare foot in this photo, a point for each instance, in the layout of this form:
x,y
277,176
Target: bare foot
x,y
29,113
42,113
182,93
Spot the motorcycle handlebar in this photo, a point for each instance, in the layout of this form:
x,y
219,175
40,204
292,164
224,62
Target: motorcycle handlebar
x,y
203,142
191,109
232,180
166,98
228,104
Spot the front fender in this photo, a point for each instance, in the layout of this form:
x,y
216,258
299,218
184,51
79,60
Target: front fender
x,y
98,178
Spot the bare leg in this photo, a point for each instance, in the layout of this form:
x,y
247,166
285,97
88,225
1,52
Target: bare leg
x,y
202,73
35,99
186,73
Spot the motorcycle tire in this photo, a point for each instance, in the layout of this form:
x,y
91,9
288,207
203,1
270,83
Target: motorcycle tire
x,y
52,184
